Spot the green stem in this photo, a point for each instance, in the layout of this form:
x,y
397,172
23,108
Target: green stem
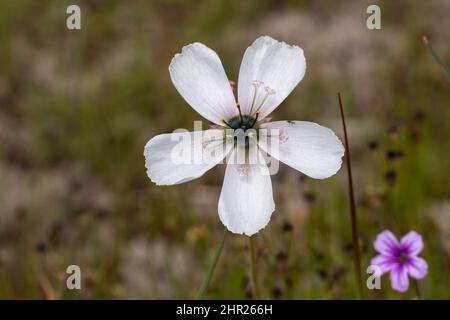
x,y
351,194
255,285
435,56
205,284
417,288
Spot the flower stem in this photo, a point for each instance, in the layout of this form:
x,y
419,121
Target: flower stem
x,y
355,236
417,288
255,285
205,284
435,56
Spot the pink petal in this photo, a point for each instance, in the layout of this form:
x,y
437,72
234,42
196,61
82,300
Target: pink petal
x,y
413,241
384,263
399,279
417,268
386,243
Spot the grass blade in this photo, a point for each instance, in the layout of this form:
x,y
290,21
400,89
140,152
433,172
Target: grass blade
x,y
205,284
355,235
435,56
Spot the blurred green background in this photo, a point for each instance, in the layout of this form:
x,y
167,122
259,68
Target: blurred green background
x,y
77,107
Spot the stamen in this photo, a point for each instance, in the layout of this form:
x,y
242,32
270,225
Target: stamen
x,y
256,117
269,92
223,121
256,84
239,108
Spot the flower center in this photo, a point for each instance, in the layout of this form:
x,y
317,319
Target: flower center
x,y
402,257
245,126
261,95
243,122
244,129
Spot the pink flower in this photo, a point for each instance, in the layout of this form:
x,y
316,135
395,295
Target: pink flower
x,y
400,258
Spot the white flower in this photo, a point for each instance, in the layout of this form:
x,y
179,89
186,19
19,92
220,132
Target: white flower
x,y
270,70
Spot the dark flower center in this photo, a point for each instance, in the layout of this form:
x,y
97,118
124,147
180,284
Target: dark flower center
x,y
402,256
245,122
245,128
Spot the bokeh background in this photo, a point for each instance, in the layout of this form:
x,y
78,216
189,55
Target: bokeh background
x,y
77,107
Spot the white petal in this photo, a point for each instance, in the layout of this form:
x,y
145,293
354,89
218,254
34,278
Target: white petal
x,y
183,156
198,75
307,147
277,65
246,200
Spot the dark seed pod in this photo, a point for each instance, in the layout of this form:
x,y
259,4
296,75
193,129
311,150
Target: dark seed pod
x,y
391,176
419,116
322,274
309,196
277,293
287,227
40,247
348,247
281,256
373,145
394,154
